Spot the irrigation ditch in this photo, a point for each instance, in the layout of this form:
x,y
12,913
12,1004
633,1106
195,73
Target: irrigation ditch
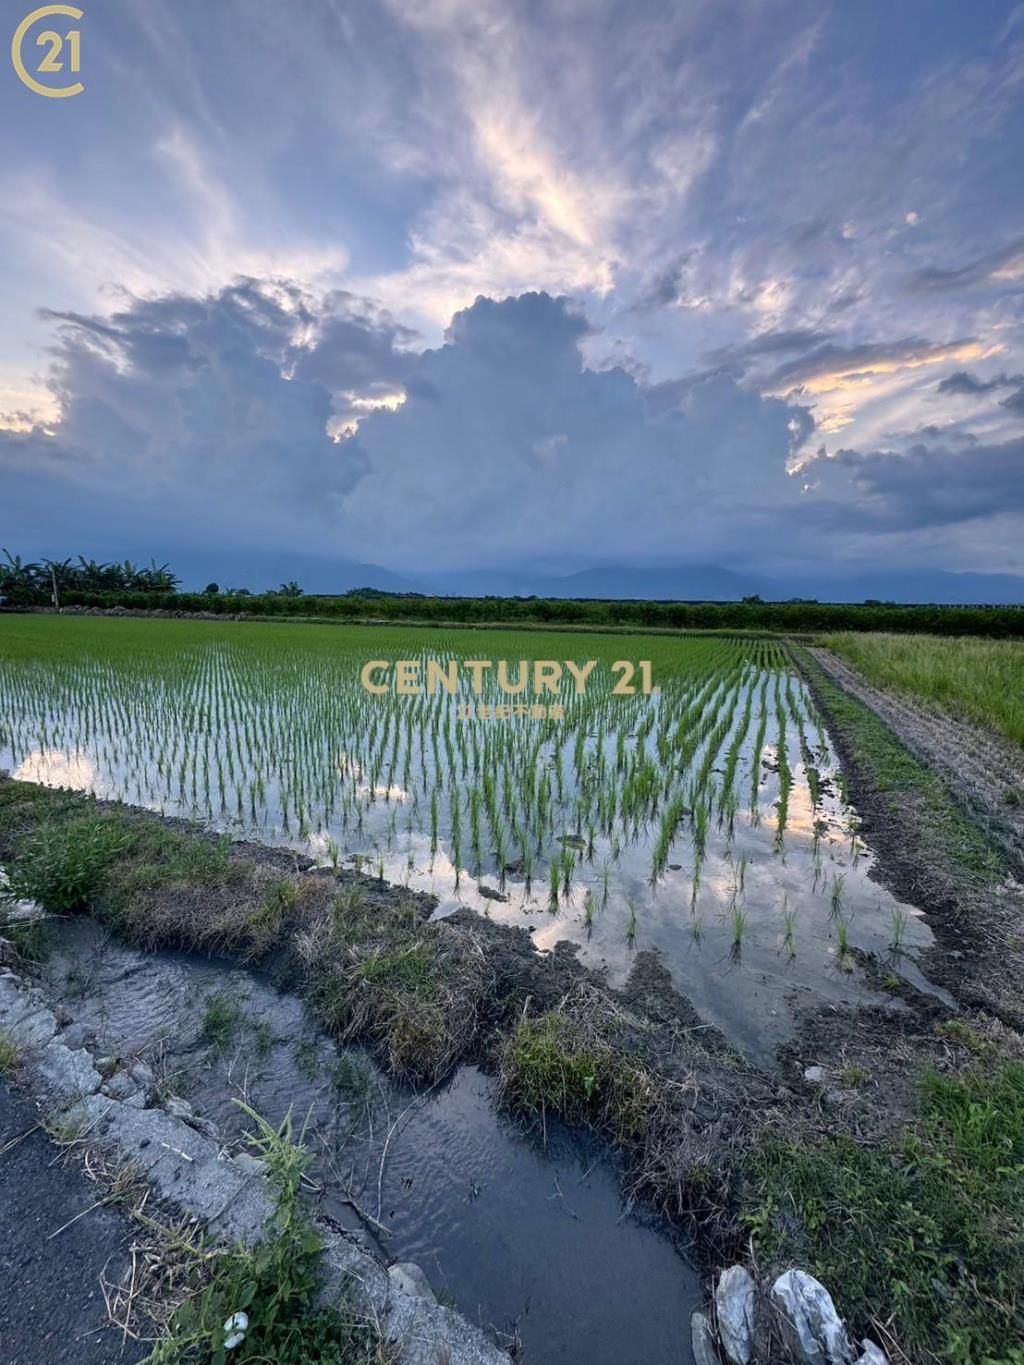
x,y
483,1095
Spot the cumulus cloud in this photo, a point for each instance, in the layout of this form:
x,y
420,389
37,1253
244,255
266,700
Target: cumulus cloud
x,y
216,406
509,448
263,415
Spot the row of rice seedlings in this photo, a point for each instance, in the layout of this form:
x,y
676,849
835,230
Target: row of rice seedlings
x,y
283,741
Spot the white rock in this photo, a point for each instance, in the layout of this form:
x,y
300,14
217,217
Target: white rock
x,y
735,1307
141,1074
814,1329
814,1074
702,1337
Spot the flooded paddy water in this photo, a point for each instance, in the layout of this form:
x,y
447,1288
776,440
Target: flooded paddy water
x,y
706,821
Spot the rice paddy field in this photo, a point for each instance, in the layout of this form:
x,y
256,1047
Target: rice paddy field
x,y
706,819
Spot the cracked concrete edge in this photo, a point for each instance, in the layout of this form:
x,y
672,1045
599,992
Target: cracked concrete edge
x,y
193,1171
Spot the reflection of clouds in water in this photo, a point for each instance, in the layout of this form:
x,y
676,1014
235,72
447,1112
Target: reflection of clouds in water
x,y
392,793
351,767
54,768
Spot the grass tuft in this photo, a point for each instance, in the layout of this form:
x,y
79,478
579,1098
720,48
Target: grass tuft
x,y
924,1232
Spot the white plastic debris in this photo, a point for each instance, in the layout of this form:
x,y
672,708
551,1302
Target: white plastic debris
x,y
815,1330
235,1329
735,1305
870,1354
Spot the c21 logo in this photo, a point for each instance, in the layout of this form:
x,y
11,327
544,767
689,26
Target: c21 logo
x,y
60,51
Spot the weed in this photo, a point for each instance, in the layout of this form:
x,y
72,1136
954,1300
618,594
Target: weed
x,y
274,1285
222,1018
854,1076
9,1057
552,1064
62,867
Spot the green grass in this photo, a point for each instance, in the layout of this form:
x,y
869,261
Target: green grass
x,y
948,837
275,1285
63,866
974,679
554,1065
924,1232
221,1020
9,1057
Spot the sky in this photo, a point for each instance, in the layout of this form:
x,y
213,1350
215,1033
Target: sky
x,y
470,284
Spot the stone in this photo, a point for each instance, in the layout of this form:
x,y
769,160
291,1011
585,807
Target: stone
x,y
120,1086
142,1074
814,1074
31,1031
871,1354
78,1035
244,1218
408,1276
251,1165
735,1310
427,1333
347,1270
71,1075
178,1108
702,1338
813,1329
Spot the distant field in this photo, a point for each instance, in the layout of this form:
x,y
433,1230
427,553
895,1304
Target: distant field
x,y
979,680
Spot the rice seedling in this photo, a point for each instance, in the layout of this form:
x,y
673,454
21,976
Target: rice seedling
x,y
788,927
631,925
844,957
897,930
738,925
589,909
270,735
837,892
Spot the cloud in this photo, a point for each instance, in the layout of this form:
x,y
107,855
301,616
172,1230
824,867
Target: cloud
x,y
933,485
509,448
213,414
831,367
215,407
999,268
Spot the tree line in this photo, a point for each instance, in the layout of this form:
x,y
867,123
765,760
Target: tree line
x,y
156,588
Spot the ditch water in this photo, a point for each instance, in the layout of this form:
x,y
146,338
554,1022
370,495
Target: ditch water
x,y
519,1236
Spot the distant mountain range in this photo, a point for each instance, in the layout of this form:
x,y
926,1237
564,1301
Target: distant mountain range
x,y
261,569
264,569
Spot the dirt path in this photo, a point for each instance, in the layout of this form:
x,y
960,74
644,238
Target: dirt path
x,y
979,766
51,1306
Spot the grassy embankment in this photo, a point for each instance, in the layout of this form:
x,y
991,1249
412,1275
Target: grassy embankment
x,y
976,680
